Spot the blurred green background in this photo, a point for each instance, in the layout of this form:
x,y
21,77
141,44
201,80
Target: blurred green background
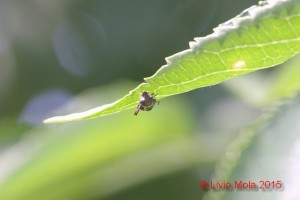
x,y
63,56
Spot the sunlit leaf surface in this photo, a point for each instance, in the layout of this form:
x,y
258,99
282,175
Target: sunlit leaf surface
x,y
260,37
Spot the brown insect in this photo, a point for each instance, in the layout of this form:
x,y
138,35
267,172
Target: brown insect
x,y
147,102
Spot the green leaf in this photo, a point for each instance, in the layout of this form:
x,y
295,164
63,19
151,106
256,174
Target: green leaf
x,y
260,37
266,151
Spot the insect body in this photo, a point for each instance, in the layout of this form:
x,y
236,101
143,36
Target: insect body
x,y
147,102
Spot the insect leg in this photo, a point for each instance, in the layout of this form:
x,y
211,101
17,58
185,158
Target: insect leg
x,y
136,112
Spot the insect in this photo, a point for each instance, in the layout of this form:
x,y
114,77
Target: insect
x,y
147,102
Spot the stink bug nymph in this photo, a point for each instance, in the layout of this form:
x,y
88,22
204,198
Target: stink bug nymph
x,y
147,102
